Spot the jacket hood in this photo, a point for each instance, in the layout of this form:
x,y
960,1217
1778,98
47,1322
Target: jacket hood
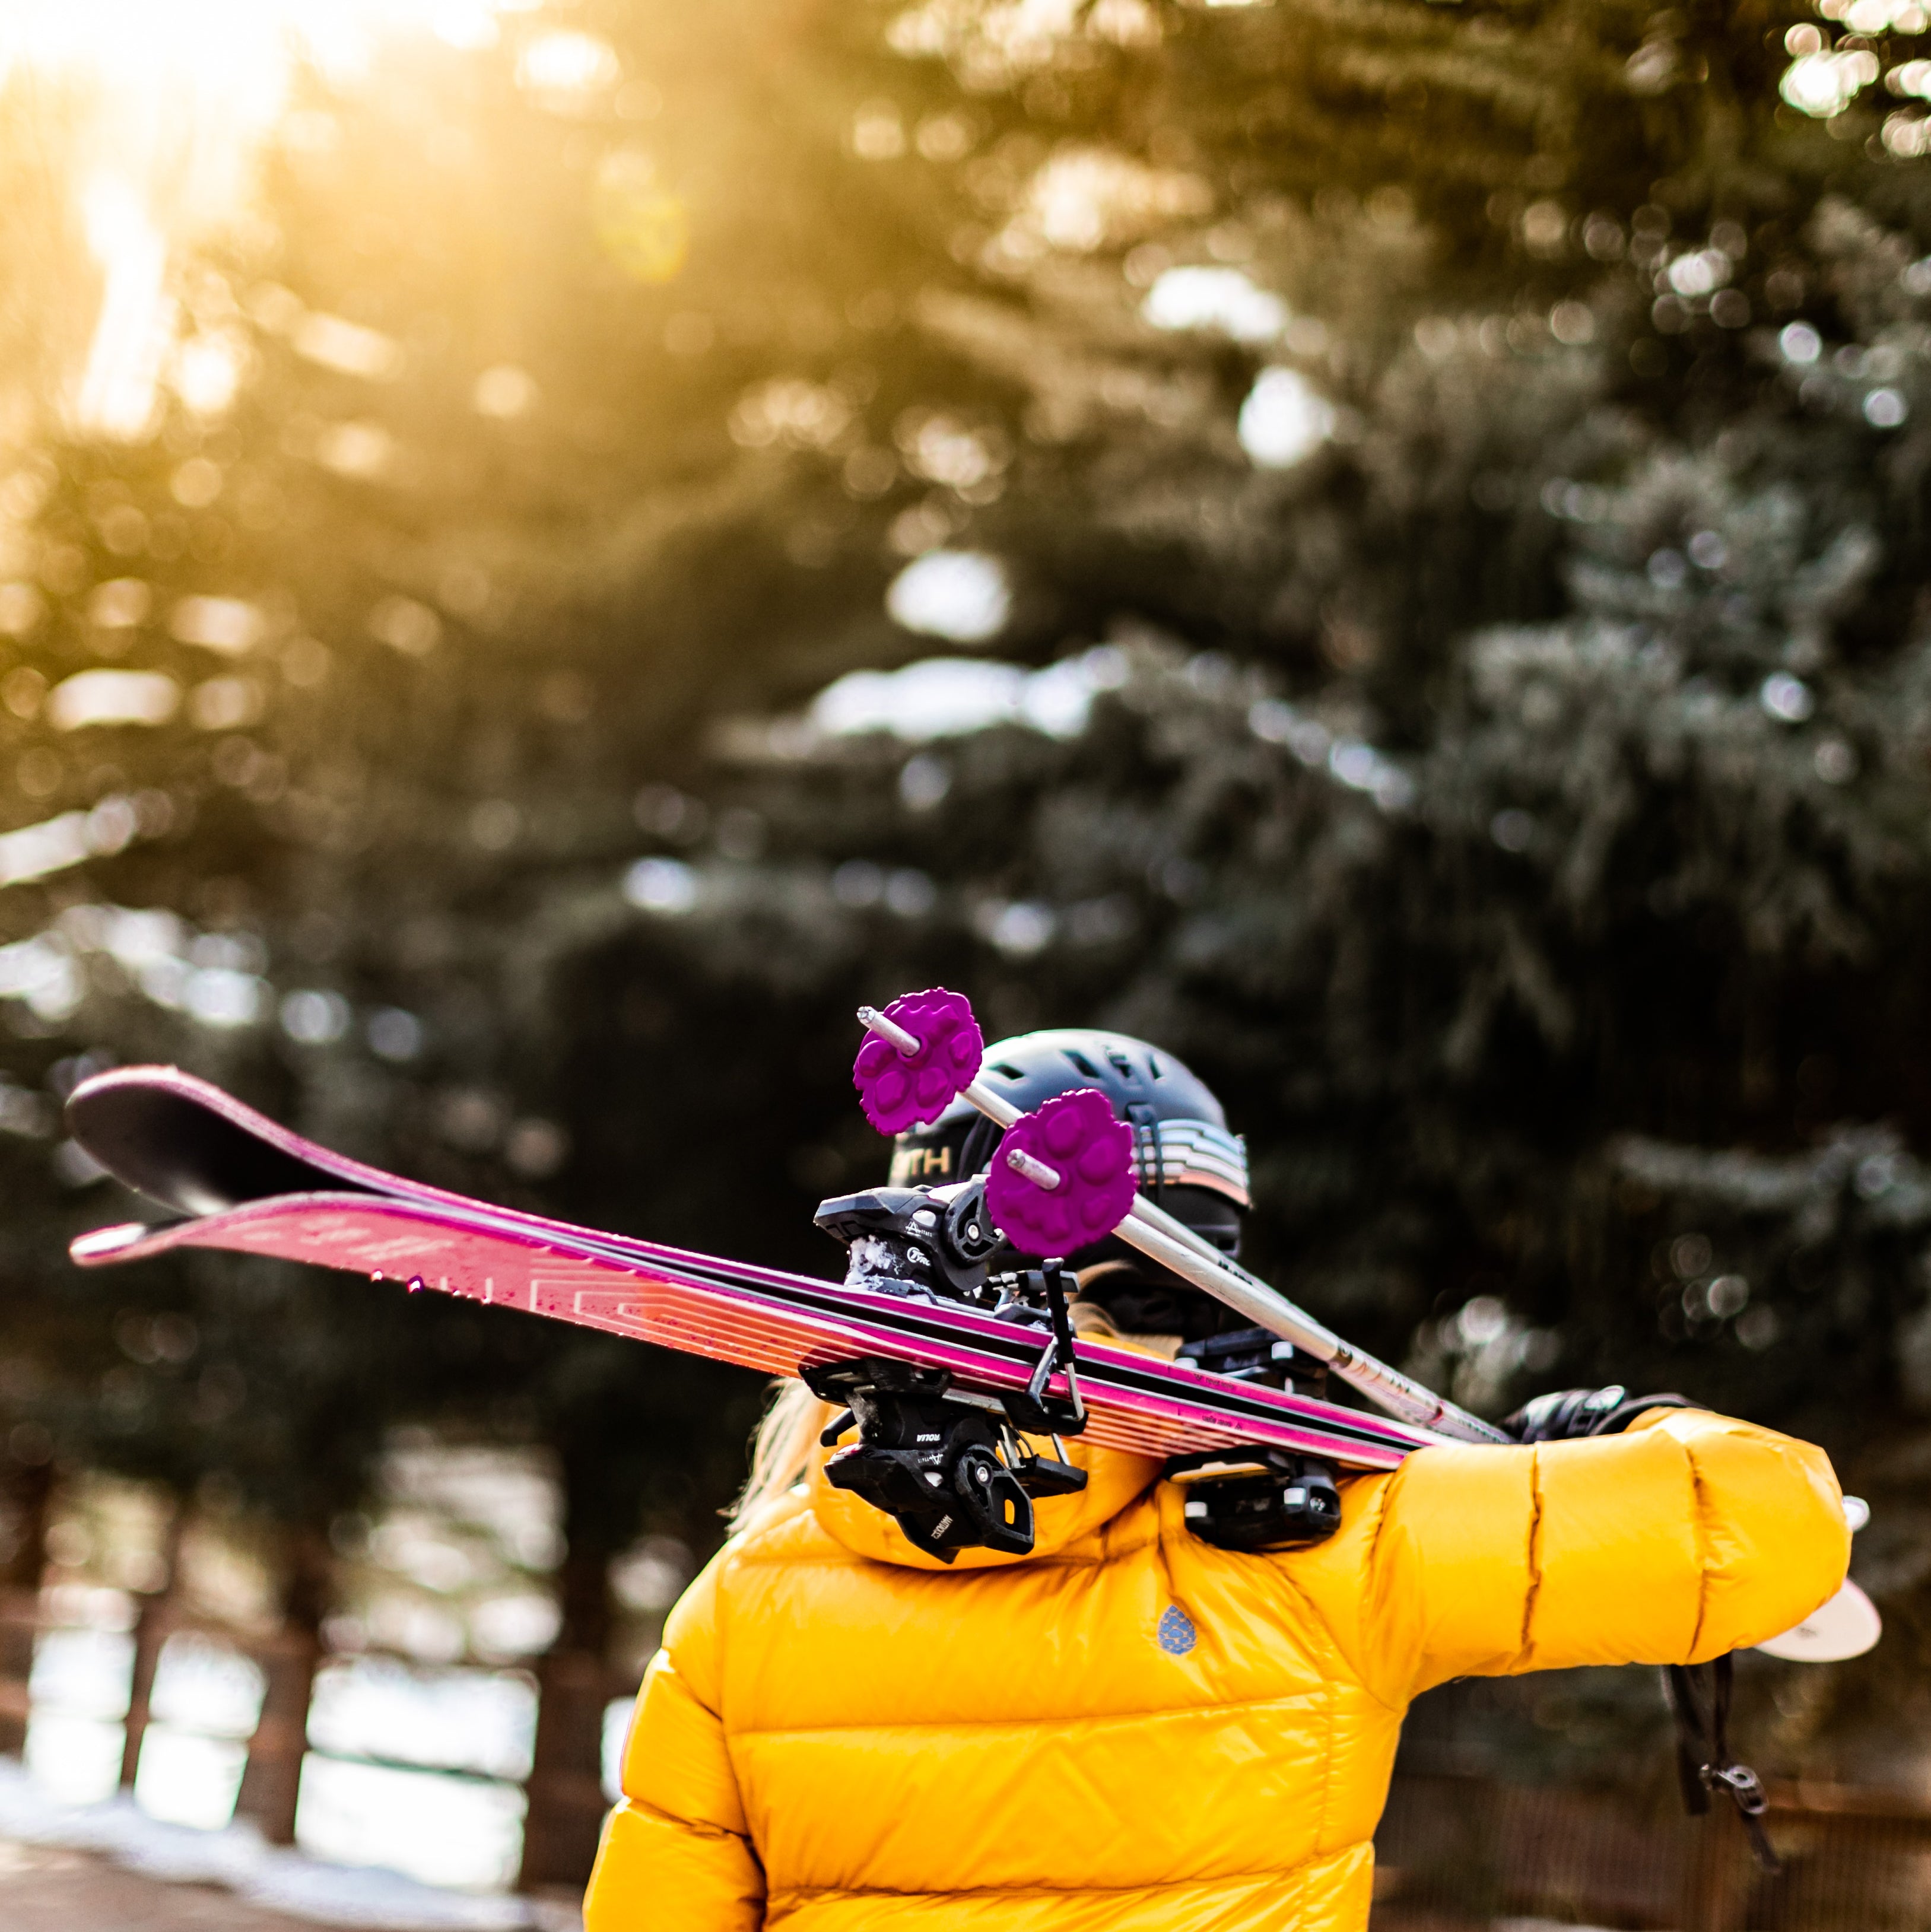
x,y
1114,1479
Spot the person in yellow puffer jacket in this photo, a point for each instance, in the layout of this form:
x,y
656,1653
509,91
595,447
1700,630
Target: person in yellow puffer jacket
x,y
1132,1728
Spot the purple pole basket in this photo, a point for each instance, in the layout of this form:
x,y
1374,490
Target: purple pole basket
x,y
898,1090
1076,1136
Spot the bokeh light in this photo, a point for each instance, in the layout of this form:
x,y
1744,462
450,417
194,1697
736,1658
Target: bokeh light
x,y
1285,420
961,595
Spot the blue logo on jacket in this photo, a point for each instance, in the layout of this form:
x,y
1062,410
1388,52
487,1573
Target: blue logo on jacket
x,y
1177,1634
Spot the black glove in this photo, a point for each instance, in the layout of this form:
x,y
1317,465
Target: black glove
x,y
1564,1414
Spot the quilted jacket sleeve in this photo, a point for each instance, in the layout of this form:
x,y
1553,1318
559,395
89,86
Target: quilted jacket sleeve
x,y
1685,1537
676,1855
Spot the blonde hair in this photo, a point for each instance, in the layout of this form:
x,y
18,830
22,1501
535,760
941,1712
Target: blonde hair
x,y
781,1450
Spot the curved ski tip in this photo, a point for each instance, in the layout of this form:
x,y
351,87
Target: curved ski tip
x,y
148,1073
145,1078
1846,1626
108,1244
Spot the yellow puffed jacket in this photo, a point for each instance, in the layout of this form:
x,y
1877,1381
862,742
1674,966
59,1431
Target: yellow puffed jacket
x,y
1130,1728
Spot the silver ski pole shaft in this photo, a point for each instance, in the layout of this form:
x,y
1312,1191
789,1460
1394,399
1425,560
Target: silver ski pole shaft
x,y
1157,1235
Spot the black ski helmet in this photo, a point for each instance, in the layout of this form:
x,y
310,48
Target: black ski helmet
x,y
1185,1160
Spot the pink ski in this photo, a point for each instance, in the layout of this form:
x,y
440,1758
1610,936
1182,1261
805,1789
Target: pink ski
x,y
246,1184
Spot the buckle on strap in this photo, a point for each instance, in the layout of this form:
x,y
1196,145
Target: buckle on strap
x,y
1742,1783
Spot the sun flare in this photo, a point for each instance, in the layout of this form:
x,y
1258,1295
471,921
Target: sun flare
x,y
158,109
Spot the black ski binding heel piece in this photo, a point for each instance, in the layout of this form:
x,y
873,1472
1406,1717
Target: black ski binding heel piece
x,y
1704,1764
1259,1498
949,1464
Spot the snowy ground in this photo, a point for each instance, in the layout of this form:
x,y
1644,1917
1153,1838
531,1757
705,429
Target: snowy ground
x,y
43,1889
46,1888
34,1826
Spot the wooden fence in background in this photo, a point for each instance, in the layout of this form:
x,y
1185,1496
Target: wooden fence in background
x,y
1456,1854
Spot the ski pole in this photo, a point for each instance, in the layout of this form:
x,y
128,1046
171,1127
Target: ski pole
x,y
1157,1235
